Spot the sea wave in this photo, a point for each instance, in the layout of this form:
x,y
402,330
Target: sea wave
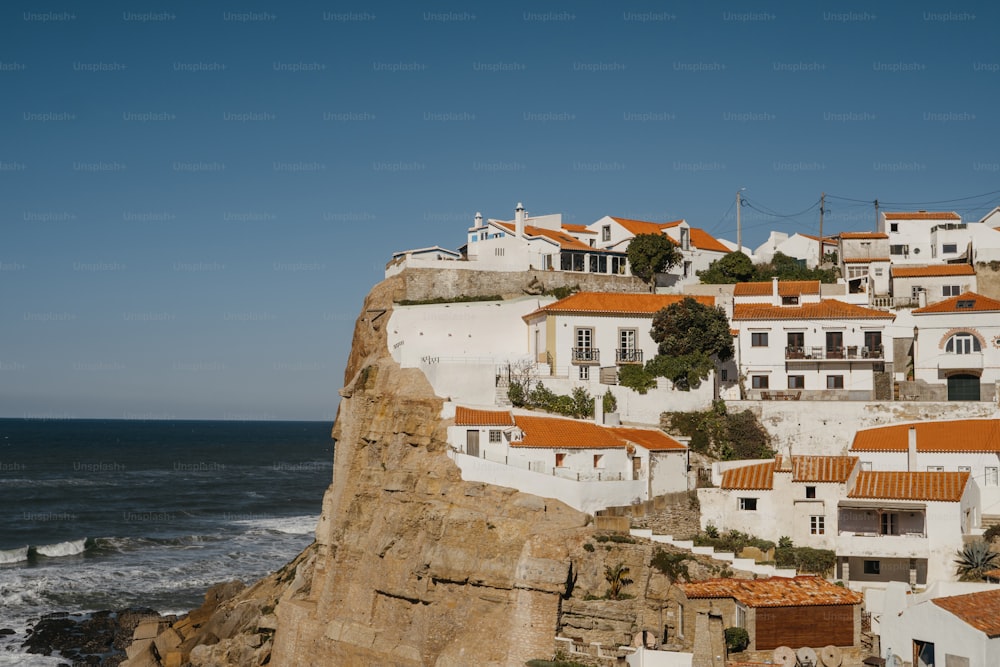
x,y
13,555
60,549
289,525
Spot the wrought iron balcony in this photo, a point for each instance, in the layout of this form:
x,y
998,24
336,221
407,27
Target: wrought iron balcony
x,y
585,355
628,356
836,353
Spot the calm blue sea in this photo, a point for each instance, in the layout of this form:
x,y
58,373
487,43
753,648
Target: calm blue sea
x,y
101,514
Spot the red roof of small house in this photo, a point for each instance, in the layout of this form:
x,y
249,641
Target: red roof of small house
x,y
822,468
895,485
785,288
636,227
799,591
970,302
473,417
863,235
932,271
828,309
980,610
564,433
701,239
649,439
617,303
958,435
578,229
923,215
756,476
565,241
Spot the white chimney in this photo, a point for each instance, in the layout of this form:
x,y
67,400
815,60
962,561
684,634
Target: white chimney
x,y
911,450
479,219
775,299
598,410
921,299
519,216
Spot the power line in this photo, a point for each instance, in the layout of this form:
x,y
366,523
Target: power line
x,y
919,203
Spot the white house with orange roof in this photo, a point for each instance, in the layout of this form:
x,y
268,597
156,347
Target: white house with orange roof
x,y
922,237
959,445
794,345
883,525
584,464
924,285
803,247
864,262
956,349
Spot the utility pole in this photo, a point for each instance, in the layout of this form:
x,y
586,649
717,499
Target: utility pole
x,y
822,204
876,215
739,229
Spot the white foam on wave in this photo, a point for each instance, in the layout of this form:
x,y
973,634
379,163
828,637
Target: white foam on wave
x,y
13,555
62,548
290,525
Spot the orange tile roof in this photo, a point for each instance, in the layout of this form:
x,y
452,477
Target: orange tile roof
x,y
472,417
579,229
565,241
648,438
704,241
980,303
924,215
564,434
785,288
822,468
636,227
755,476
864,260
894,485
980,610
800,591
932,271
863,235
829,240
828,309
617,303
958,435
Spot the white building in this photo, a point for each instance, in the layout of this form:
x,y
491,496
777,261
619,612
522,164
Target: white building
x,y
586,465
960,445
883,525
924,285
864,262
792,344
956,349
921,237
955,630
804,247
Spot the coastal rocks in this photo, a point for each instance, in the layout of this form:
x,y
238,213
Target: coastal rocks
x,y
100,638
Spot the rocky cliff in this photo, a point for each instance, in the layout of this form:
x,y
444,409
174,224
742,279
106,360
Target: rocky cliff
x,y
411,565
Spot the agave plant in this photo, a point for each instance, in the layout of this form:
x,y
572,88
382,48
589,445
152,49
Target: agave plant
x,y
974,559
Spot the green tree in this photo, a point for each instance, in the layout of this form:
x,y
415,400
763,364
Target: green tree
x,y
610,402
735,267
583,404
784,267
649,254
974,559
737,639
617,578
690,337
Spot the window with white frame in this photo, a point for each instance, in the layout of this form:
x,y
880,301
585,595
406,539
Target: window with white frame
x,y
618,265
817,524
606,233
857,271
963,343
915,291
748,504
584,372
991,476
495,436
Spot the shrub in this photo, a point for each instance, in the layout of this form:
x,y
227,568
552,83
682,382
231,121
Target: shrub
x,y
806,559
635,377
737,639
784,542
610,402
992,533
588,547
515,393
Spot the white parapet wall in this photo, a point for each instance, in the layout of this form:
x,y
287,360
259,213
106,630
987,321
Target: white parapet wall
x,y
586,496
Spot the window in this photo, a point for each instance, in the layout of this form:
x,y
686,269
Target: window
x,y
584,337
834,344
796,381
618,265
915,291
598,263
685,238
748,504
817,525
584,372
598,460
935,468
963,343
899,250
951,290
810,492
606,233
991,476
724,375
949,247
964,468
966,304
758,381
741,616
857,271
687,269
789,300
871,567
758,339
889,523
834,381
873,343
495,436
878,273
893,226
560,460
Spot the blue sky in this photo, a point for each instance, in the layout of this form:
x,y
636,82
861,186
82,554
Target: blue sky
x,y
195,197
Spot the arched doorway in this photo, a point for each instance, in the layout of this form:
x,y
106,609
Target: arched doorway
x,y
963,387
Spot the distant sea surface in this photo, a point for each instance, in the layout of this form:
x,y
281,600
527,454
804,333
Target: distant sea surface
x,y
104,514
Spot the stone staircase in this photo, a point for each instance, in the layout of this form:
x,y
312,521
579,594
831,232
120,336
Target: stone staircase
x,y
745,564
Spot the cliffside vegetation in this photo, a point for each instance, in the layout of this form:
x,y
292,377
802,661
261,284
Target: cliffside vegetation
x,y
736,267
719,434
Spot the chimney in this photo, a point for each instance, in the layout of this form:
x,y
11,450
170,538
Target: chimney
x,y
911,450
479,219
775,299
599,410
921,299
519,216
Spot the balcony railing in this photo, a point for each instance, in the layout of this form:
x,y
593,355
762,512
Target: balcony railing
x,y
628,356
585,355
834,352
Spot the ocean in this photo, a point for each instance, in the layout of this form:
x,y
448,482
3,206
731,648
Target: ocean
x,y
105,514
